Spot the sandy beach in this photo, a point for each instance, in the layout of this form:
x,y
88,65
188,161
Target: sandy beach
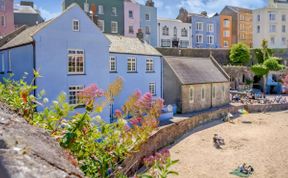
x,y
257,139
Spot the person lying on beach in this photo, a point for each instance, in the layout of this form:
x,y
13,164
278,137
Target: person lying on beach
x,y
246,170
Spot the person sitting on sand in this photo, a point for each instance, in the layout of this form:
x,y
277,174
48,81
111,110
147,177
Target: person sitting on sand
x,y
218,141
243,169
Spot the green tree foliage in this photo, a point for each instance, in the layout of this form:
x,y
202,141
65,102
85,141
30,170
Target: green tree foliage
x,y
259,70
263,53
239,54
272,64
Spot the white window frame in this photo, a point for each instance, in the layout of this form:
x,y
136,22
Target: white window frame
x,y
75,89
283,17
116,30
203,93
272,16
165,30
197,38
131,17
272,42
271,29
210,39
114,11
152,88
226,23
198,25
258,28
186,42
184,32
131,65
210,27
226,44
191,95
149,30
77,53
165,41
283,40
3,21
9,62
75,28
101,12
148,17
149,65
103,25
4,6
283,29
226,33
131,30
113,64
258,18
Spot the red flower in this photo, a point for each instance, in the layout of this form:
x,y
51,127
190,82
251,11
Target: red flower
x,y
118,113
145,102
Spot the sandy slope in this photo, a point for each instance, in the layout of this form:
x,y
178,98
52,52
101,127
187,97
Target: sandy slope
x,y
263,144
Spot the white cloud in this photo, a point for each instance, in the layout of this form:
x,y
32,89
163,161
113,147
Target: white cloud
x,y
47,14
214,6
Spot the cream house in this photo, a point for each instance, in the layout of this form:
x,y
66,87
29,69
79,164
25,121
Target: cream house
x,y
271,23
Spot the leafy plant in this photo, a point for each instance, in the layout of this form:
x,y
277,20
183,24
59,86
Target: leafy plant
x,y
239,54
159,165
99,147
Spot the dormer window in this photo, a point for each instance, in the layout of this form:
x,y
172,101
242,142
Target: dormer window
x,y
76,25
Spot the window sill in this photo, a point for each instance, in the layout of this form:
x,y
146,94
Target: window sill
x,y
132,72
9,72
150,72
76,74
113,72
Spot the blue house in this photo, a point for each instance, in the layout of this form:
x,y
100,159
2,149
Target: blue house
x,y
148,22
138,64
70,52
205,31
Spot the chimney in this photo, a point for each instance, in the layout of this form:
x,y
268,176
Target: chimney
x,y
140,35
27,3
149,3
204,13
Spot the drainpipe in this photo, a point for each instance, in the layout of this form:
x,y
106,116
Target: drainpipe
x,y
34,66
212,95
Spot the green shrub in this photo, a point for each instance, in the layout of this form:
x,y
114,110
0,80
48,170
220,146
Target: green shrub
x,y
239,54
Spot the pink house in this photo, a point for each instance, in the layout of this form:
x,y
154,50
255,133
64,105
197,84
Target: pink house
x,y
131,18
6,17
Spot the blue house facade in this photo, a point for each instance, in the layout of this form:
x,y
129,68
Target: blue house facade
x,y
138,64
205,31
67,53
148,23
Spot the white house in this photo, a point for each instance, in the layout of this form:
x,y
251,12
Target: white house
x,y
271,23
173,33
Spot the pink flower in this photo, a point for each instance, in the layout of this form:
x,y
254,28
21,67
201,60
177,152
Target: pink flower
x,y
118,113
145,102
90,93
136,121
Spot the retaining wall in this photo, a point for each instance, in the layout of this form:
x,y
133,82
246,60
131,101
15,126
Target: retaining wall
x,y
180,125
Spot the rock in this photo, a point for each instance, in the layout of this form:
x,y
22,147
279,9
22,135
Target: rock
x,y
27,151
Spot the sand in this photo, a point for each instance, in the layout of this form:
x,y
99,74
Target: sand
x,y
263,143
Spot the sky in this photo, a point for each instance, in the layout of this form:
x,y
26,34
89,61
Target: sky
x,y
166,8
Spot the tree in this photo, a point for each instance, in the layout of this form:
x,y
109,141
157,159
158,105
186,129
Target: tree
x,y
262,70
263,53
239,54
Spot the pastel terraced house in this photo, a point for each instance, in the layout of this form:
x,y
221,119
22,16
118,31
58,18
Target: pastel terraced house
x,y
271,23
173,33
107,14
131,18
6,17
205,31
67,53
138,64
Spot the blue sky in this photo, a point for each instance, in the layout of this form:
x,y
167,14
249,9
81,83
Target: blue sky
x,y
166,8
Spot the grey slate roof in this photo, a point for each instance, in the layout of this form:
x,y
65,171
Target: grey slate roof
x,y
130,45
196,70
238,9
24,37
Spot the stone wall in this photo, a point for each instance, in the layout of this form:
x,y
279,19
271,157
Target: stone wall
x,y
220,54
27,151
221,96
180,125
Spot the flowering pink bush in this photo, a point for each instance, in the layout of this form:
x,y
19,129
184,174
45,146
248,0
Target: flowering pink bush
x,y
89,95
